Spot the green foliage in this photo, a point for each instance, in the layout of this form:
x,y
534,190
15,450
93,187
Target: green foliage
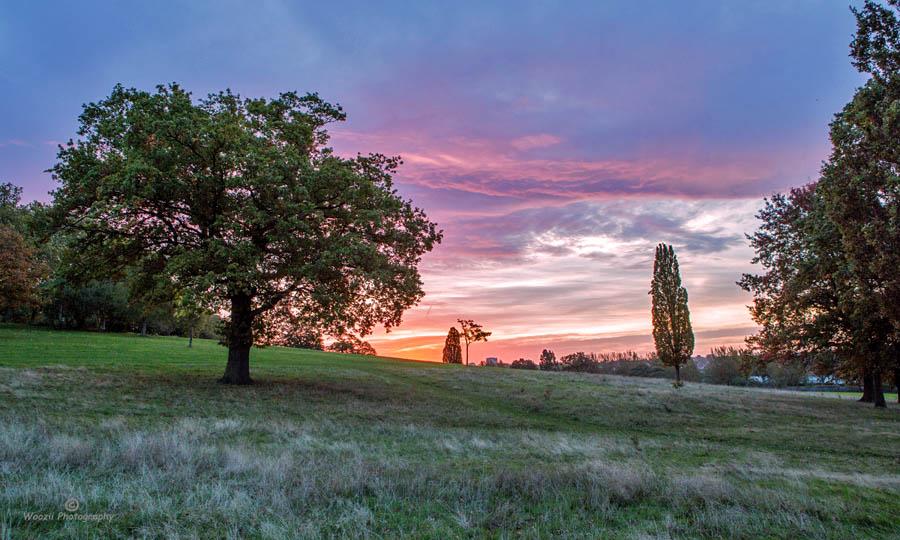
x,y
672,330
10,196
690,373
240,203
302,338
860,187
452,353
830,251
781,375
724,367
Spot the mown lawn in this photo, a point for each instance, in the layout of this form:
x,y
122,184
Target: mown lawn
x,y
328,445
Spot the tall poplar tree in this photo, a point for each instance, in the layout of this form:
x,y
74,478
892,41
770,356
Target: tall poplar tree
x,y
452,349
672,330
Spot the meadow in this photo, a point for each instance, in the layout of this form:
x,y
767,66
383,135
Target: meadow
x,y
329,445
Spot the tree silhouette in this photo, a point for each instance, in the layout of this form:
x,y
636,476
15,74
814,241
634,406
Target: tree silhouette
x,y
452,350
471,333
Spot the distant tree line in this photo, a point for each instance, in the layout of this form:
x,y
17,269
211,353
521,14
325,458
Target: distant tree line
x,y
40,287
723,365
628,363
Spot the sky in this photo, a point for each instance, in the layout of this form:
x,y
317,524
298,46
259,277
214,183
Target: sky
x,y
555,143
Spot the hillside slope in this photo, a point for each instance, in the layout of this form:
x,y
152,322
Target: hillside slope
x,y
329,445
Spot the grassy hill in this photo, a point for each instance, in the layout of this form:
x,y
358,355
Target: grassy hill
x,y
328,445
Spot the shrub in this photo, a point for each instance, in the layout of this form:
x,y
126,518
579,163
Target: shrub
x,y
522,363
724,366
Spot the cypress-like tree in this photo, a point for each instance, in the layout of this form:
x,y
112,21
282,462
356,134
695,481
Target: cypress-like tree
x,y
672,330
452,348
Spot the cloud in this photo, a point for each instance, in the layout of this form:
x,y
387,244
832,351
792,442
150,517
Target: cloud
x,y
530,142
575,276
489,167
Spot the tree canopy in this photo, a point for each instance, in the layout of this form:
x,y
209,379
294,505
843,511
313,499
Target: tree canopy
x,y
831,250
241,203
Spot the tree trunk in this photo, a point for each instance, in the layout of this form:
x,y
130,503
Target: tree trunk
x,y
677,373
144,329
868,388
191,339
467,353
879,391
240,339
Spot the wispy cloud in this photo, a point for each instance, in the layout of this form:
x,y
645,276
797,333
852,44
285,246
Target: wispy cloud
x,y
530,142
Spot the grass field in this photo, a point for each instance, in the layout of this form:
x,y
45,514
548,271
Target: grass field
x,y
852,395
328,445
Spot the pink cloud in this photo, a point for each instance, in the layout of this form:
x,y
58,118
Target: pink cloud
x,y
530,142
495,168
556,251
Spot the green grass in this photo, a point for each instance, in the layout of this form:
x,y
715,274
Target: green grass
x,y
328,445
852,395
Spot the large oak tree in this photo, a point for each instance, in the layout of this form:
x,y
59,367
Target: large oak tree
x,y
242,203
808,302
831,286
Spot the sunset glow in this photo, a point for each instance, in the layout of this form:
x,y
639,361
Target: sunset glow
x,y
555,148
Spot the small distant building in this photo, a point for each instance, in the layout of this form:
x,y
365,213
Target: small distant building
x,y
491,361
825,379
